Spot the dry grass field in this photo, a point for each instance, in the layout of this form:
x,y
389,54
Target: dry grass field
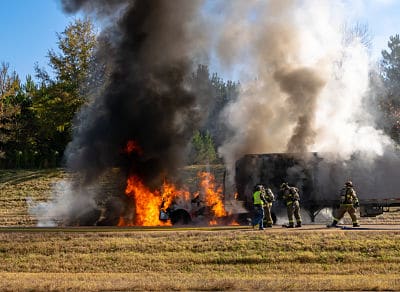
x,y
225,258
174,259
18,185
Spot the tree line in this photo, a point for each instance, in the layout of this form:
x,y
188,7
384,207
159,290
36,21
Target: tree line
x,y
37,116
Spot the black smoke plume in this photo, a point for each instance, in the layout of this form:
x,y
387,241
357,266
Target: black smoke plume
x,y
303,87
146,99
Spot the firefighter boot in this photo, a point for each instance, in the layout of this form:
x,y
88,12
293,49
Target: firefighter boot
x,y
356,225
298,224
288,225
333,224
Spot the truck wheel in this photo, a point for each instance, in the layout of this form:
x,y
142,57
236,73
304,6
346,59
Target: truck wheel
x,y
180,216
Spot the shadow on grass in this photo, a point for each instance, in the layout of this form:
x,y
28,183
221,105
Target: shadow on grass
x,y
19,176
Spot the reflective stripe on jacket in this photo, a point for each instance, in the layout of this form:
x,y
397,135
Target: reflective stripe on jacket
x,y
348,196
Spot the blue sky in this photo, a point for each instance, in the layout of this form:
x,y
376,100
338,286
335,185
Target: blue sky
x,y
382,18
28,28
28,31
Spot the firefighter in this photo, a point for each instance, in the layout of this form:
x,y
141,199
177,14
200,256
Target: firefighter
x,y
269,198
258,203
291,197
348,203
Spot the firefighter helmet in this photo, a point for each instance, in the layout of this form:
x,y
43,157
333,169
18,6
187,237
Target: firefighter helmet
x,y
258,187
349,184
284,185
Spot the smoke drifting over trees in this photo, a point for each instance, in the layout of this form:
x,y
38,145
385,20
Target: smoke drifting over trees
x,y
321,110
146,99
302,87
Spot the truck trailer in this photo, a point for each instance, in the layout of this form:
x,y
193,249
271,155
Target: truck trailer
x,y
319,178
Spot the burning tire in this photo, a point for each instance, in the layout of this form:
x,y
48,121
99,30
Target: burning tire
x,y
180,216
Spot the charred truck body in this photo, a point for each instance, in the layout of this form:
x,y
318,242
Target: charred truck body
x,y
320,178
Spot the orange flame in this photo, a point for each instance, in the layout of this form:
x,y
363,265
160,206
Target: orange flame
x,y
234,223
123,222
212,193
148,203
132,146
171,193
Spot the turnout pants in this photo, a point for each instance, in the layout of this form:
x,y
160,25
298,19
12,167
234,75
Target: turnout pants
x,y
293,208
267,216
349,208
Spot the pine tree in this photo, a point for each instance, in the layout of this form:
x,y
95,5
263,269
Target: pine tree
x,y
203,150
390,73
59,98
9,109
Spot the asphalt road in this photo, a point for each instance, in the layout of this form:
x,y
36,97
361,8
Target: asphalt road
x,y
277,228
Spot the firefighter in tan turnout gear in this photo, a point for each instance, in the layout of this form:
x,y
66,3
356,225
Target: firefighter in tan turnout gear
x,y
348,203
269,198
291,197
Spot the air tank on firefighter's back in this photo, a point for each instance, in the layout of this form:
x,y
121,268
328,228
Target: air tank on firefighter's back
x,y
272,170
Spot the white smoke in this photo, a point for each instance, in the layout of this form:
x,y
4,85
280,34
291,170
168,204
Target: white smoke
x,y
290,36
64,200
344,126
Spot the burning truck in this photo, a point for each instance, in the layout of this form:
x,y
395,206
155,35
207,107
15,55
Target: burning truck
x,y
202,197
171,205
174,202
207,206
205,200
319,180
121,197
129,202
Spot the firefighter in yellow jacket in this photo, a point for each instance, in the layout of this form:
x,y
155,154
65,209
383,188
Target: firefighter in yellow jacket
x,y
291,197
258,204
348,203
